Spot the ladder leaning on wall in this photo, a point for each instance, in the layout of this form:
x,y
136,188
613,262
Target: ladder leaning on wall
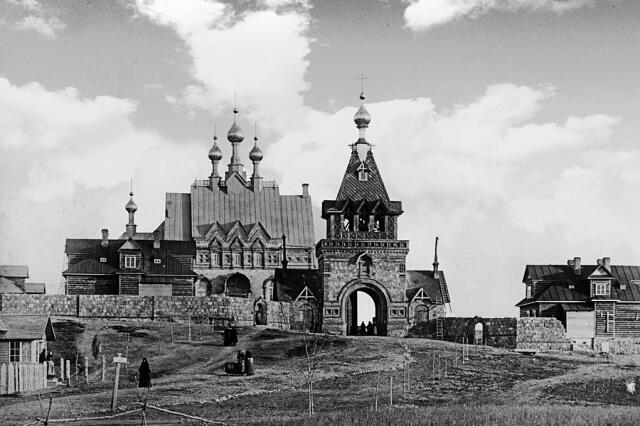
x,y
440,322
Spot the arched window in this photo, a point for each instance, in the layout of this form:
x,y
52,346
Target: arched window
x,y
260,311
364,265
479,333
238,285
421,314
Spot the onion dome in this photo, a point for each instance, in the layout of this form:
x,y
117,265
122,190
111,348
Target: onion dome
x,y
214,153
131,206
362,118
256,153
235,135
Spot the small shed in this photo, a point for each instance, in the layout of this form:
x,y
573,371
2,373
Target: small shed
x,y
23,337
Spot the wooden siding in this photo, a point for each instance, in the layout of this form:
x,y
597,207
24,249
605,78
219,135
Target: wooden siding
x,y
81,284
601,310
182,288
627,320
129,285
177,224
4,351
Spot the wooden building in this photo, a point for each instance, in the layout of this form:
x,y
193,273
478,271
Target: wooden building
x,y
600,301
23,337
362,252
13,280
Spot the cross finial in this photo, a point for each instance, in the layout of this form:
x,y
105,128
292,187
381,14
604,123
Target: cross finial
x,y
255,130
131,188
235,102
362,78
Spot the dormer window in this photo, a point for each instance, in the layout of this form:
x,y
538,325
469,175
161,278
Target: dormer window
x,y
601,288
363,173
130,262
103,260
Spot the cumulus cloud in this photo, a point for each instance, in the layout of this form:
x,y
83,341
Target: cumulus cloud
x,y
472,174
260,55
426,14
39,20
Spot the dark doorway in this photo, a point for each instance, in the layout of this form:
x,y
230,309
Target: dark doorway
x,y
238,285
260,311
307,317
366,306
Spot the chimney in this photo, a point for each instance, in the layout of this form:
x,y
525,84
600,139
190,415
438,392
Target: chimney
x,y
436,273
577,268
606,262
305,190
156,239
105,238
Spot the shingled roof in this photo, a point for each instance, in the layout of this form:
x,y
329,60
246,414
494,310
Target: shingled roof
x,y
8,286
14,271
435,288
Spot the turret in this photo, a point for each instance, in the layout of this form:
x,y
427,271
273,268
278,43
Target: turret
x,y
256,156
131,208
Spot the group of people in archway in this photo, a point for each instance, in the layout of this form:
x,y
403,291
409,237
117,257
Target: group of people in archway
x,y
368,329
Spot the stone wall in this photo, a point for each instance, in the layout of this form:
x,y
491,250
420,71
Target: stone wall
x,y
498,332
541,334
241,310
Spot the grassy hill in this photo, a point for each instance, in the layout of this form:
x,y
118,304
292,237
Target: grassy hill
x,y
433,382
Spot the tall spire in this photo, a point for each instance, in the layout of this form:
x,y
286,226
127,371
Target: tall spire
x,y
131,208
235,136
255,155
436,273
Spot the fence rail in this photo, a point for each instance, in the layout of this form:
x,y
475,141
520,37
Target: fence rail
x,y
22,376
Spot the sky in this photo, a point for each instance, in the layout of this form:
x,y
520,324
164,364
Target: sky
x,y
506,127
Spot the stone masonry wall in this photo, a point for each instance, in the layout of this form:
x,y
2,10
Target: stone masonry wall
x,y
145,307
541,334
498,332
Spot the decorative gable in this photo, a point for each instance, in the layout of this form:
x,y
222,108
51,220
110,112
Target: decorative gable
x,y
421,296
305,295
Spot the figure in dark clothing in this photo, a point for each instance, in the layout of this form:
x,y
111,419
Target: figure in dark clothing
x,y
43,357
370,328
363,329
240,363
51,371
248,364
230,336
145,374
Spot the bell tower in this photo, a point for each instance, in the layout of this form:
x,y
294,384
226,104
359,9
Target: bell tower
x,y
361,251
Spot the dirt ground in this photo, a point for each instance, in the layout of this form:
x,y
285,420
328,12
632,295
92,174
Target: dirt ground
x,y
349,373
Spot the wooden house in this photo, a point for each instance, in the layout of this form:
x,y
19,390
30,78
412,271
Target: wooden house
x,y
23,337
600,301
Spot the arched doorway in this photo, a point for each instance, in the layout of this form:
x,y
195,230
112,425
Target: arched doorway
x,y
238,285
260,313
351,307
478,335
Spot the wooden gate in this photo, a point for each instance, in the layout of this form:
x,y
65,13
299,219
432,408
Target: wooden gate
x,y
22,376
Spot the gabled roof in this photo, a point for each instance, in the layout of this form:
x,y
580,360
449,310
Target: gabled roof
x,y
26,327
8,286
435,288
91,250
626,281
289,284
291,215
14,271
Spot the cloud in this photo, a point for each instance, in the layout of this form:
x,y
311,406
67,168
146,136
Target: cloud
x,y
426,14
260,55
484,175
39,20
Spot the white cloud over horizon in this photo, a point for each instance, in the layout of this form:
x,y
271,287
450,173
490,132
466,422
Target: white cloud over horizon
x,y
422,15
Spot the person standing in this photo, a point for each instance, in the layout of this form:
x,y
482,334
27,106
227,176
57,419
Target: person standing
x,y
145,374
240,363
248,364
363,329
51,371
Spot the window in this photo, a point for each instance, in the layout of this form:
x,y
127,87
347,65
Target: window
x,y
14,351
601,288
215,259
608,327
528,296
103,260
237,259
363,173
130,262
157,261
258,261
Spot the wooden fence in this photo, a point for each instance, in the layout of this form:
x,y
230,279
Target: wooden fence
x,y
22,376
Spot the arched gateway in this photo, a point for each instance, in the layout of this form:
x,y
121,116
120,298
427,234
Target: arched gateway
x,y
361,251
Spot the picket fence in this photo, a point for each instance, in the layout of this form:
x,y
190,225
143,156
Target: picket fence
x,y
22,376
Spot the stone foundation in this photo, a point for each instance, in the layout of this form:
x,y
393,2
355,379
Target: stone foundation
x,y
541,334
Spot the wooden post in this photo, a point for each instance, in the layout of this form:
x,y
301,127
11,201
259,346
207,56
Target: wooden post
x,y
76,362
118,360
189,321
171,325
86,369
68,372
61,369
409,381
391,389
103,373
